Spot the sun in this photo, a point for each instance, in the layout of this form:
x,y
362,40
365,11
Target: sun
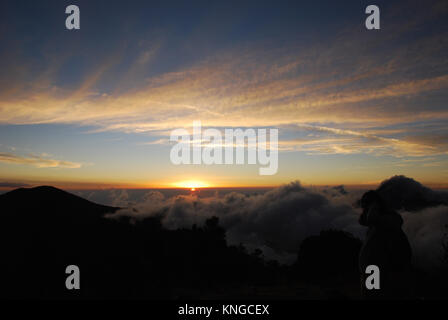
x,y
193,185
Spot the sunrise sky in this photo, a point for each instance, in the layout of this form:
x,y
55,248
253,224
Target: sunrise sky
x,y
95,107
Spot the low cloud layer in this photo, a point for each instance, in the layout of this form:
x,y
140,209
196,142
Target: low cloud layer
x,y
425,229
277,220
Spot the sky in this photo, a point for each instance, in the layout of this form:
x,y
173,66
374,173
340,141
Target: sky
x,y
94,107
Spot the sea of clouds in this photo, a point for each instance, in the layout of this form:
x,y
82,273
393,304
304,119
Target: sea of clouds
x,y
277,220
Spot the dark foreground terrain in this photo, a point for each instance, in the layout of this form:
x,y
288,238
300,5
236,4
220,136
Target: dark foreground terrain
x,y
44,229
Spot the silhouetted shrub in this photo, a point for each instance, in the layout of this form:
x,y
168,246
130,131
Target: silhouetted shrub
x,y
445,245
330,257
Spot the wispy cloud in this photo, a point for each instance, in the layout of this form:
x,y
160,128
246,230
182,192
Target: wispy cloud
x,y
348,81
37,161
333,140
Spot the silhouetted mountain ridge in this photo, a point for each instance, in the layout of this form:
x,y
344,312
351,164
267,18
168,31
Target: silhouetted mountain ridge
x,y
51,201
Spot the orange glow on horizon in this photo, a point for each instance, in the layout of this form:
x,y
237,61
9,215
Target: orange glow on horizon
x,y
191,184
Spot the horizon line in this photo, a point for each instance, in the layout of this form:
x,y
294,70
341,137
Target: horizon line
x,y
94,186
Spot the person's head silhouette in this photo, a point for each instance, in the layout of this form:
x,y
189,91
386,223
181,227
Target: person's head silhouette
x,y
374,209
369,198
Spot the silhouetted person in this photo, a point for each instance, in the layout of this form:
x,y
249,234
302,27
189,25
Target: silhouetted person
x,y
387,247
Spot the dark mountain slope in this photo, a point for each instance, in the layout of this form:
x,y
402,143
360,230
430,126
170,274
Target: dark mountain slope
x,y
43,230
51,201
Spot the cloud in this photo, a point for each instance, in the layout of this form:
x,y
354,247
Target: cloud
x,y
120,198
425,229
405,193
37,161
224,94
351,79
322,140
343,141
218,93
277,220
